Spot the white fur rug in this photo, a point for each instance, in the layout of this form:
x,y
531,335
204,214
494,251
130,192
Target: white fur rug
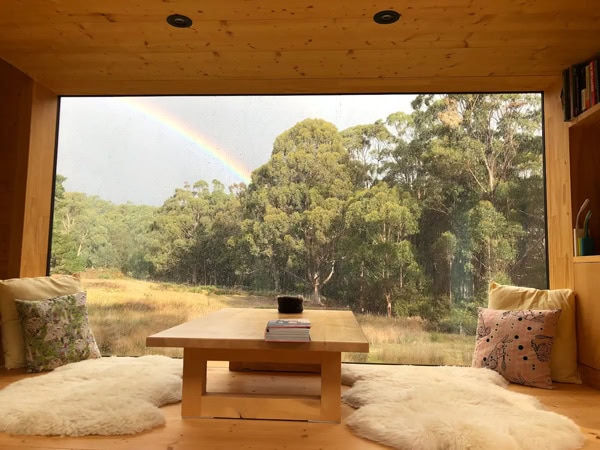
x,y
106,396
450,408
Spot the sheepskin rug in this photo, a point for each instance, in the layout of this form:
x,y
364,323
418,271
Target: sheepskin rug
x,y
451,408
106,396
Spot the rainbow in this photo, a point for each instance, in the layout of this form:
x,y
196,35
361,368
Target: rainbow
x,y
177,125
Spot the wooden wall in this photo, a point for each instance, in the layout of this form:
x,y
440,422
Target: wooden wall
x,y
28,113
558,192
585,272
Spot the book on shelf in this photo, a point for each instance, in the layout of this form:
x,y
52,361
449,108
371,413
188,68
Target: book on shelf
x,y
288,330
565,95
581,88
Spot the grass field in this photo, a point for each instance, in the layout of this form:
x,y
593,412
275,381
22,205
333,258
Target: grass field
x,y
124,311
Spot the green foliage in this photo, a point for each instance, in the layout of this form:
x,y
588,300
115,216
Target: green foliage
x,y
368,146
459,321
192,233
89,232
379,221
295,206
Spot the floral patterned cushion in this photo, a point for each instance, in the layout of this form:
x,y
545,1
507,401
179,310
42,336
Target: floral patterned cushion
x,y
517,344
27,288
56,332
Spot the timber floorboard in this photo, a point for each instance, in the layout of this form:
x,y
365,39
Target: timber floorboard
x,y
580,403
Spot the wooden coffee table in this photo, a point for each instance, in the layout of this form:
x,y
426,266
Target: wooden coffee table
x,y
237,334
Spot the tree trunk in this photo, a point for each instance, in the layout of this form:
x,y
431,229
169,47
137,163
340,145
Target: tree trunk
x,y
388,299
194,274
450,282
316,292
361,287
275,275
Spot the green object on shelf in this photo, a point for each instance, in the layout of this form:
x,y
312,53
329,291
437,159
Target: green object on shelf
x,y
586,224
587,246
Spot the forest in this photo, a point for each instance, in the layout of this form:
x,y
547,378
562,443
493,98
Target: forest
x,y
412,215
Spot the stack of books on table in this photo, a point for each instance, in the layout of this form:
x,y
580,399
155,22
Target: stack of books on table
x,y
288,330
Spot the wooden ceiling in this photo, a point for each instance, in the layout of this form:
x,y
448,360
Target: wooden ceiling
x,y
283,46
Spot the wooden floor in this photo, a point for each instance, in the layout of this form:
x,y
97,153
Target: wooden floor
x,y
580,403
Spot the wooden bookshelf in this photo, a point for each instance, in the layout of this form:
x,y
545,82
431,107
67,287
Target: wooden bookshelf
x,y
584,156
590,117
586,259
584,162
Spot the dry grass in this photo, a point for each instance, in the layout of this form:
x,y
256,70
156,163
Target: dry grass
x,y
123,312
405,341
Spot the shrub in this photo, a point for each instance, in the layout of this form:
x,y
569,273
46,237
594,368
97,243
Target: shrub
x,y
460,320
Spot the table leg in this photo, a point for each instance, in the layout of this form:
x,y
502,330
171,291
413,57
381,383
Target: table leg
x,y
194,382
331,387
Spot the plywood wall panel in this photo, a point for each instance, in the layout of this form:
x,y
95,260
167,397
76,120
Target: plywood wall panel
x,y
40,174
27,130
15,111
588,312
140,10
257,35
558,191
427,63
346,85
589,376
585,162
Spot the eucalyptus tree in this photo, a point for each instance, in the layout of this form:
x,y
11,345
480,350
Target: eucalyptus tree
x,y
369,145
89,232
217,240
191,234
493,242
500,149
174,234
130,237
380,221
404,162
82,233
295,206
67,236
469,158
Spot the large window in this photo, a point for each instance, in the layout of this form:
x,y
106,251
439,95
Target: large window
x,y
400,207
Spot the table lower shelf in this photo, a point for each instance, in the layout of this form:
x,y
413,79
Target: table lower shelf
x,y
284,402
257,406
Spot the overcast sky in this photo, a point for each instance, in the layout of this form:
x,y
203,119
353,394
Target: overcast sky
x,y
141,149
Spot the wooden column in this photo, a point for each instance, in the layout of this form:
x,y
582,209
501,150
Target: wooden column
x,y
558,191
28,117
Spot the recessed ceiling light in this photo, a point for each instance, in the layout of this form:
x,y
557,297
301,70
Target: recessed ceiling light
x,y
179,21
387,16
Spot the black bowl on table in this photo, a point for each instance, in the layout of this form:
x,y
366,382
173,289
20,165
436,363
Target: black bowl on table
x,y
290,304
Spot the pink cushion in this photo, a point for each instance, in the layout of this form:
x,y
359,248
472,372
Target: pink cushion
x,y
517,344
563,367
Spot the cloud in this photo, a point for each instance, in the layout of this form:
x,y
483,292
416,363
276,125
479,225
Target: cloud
x,y
120,153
